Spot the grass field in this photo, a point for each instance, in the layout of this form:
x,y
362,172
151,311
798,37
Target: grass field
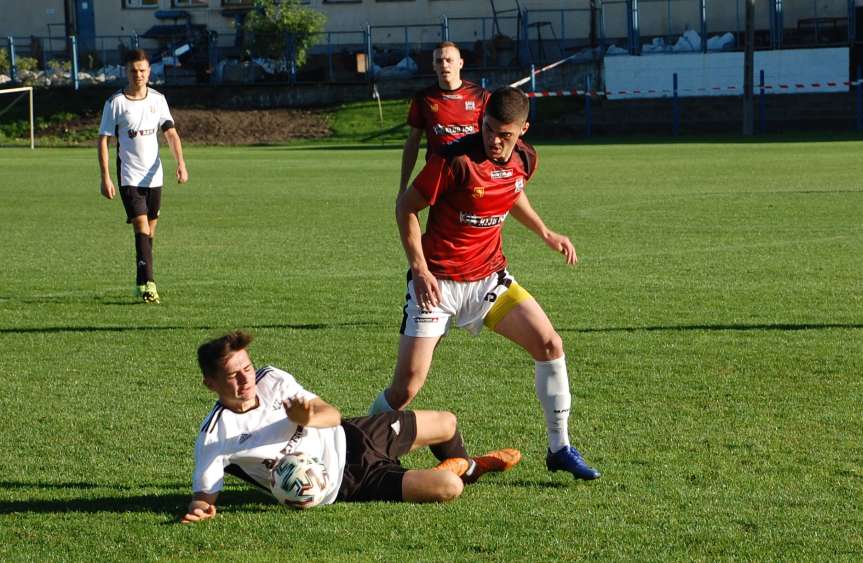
x,y
714,330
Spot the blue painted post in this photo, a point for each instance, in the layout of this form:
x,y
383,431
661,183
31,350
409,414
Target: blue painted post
x,y
369,67
13,67
213,52
292,58
134,41
703,25
588,110
407,44
444,28
860,98
74,41
482,83
484,39
675,111
762,107
330,57
533,89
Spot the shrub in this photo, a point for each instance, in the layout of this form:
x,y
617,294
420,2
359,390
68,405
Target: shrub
x,y
270,21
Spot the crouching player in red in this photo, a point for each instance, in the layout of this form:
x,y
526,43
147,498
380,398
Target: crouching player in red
x,y
458,273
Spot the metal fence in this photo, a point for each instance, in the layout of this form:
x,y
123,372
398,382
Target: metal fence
x,y
525,38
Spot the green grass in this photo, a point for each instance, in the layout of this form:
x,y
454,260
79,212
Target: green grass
x,y
714,330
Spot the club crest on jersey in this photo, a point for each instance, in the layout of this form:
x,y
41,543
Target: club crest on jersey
x,y
244,436
499,173
469,105
519,184
433,107
478,192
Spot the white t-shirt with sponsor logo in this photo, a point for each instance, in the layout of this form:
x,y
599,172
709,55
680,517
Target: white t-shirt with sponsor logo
x,y
249,443
136,124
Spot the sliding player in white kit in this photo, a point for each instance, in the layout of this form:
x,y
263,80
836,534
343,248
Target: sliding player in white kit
x,y
261,415
134,116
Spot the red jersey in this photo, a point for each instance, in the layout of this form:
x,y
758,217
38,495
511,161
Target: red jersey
x,y
447,115
470,196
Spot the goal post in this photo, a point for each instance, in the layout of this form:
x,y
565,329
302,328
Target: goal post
x,y
29,91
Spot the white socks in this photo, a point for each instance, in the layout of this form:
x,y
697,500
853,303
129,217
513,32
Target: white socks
x,y
380,404
552,390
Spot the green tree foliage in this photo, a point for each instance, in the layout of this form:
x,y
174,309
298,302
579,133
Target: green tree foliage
x,y
272,21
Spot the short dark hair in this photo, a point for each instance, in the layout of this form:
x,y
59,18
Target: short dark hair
x,y
212,354
136,55
508,105
445,44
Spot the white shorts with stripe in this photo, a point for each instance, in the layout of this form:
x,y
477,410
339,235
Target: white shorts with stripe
x,y
468,305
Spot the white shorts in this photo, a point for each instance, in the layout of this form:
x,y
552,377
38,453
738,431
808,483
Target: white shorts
x,y
469,305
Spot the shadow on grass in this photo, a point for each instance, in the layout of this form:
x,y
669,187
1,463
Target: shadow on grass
x,y
170,505
718,328
298,326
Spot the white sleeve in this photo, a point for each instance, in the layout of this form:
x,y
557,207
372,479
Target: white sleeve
x,y
288,387
109,121
165,114
209,475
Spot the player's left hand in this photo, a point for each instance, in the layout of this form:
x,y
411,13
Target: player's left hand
x,y
562,244
299,410
182,174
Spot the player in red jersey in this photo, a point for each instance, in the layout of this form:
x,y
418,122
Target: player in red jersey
x,y
458,271
444,112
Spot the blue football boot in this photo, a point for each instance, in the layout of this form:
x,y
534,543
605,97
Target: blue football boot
x,y
569,459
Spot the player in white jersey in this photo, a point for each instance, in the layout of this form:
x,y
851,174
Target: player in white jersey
x,y
262,415
134,116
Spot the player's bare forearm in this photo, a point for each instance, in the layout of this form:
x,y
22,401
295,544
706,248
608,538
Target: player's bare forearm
x,y
176,147
407,218
106,185
202,507
524,213
408,206
315,413
409,156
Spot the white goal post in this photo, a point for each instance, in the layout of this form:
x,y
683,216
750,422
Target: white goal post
x,y
28,89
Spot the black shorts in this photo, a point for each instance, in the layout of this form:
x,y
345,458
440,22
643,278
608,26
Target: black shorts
x,y
374,445
141,201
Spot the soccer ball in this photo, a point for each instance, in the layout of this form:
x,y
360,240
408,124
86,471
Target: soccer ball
x,y
299,480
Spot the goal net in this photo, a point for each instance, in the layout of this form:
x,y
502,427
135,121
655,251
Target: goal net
x,y
16,123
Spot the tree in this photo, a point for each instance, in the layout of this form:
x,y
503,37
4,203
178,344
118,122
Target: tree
x,y
284,28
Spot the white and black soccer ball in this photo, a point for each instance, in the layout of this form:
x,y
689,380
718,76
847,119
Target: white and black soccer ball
x,y
299,480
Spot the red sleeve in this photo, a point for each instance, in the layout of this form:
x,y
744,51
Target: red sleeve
x,y
434,179
415,115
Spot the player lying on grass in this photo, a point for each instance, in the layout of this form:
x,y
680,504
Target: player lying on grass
x,y
458,273
262,415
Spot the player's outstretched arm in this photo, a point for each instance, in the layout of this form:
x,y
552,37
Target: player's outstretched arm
x,y
107,185
315,413
173,139
525,214
409,156
408,206
202,507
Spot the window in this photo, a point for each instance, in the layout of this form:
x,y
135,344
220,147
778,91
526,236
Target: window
x,y
140,3
190,3
238,2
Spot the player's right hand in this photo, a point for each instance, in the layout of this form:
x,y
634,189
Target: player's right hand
x,y
198,513
426,289
108,189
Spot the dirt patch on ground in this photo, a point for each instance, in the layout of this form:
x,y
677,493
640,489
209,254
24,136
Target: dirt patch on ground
x,y
211,127
234,127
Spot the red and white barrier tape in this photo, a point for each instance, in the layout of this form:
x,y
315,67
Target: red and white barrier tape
x,y
650,91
